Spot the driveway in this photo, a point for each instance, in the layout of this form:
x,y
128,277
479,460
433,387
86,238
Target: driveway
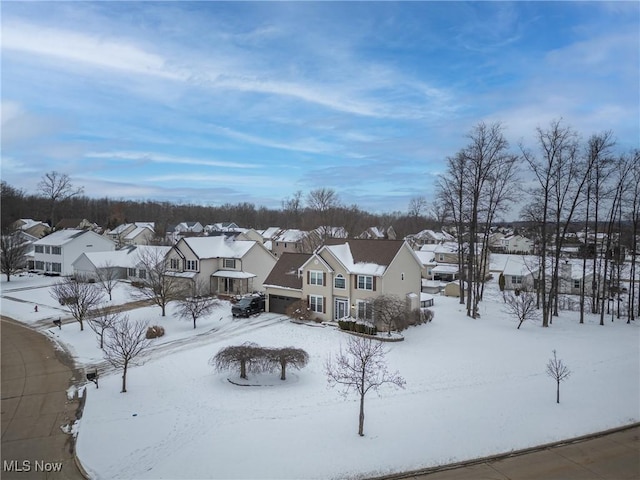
x,y
35,407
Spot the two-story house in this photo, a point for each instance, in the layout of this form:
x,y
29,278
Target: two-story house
x,y
55,253
35,228
342,277
227,266
138,233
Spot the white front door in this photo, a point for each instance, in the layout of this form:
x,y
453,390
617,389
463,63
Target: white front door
x,y
341,309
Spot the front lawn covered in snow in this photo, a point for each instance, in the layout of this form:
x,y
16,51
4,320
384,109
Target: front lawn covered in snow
x,y
473,388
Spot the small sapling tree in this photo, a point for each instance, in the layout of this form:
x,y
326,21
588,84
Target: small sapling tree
x,y
288,356
522,306
101,320
78,296
123,343
107,276
557,370
198,305
361,368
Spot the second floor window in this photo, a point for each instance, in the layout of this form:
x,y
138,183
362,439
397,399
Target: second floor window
x,y
339,282
56,250
316,277
365,282
39,249
192,265
229,263
174,263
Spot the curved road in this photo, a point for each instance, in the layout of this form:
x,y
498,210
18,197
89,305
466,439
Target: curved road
x,y
35,379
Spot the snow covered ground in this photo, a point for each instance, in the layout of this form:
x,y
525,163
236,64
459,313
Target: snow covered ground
x,y
474,388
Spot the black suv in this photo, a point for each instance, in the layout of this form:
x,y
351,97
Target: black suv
x,y
247,306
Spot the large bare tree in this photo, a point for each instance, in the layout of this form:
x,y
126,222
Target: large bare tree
x,y
13,253
361,368
123,343
56,187
78,296
160,285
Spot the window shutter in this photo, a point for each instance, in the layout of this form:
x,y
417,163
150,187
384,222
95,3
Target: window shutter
x,y
324,279
308,301
374,284
324,304
308,277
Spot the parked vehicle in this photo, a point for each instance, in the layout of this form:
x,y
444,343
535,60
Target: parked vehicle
x,y
248,305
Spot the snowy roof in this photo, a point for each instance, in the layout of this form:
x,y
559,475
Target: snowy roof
x,y
232,274
62,236
136,231
426,258
290,235
425,296
445,269
127,257
364,257
218,247
269,233
447,247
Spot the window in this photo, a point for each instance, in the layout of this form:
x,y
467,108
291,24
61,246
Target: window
x,y
315,303
365,310
576,284
339,282
516,280
56,267
402,276
441,257
131,272
229,263
47,249
365,282
39,249
192,265
316,277
39,265
56,250
142,273
174,263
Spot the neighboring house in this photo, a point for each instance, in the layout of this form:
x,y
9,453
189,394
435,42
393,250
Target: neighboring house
x,y
428,237
184,229
378,233
290,240
227,266
125,261
138,233
34,228
250,234
516,244
77,224
222,227
55,253
519,271
342,277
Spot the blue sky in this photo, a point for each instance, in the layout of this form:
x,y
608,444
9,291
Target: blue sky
x,y
215,102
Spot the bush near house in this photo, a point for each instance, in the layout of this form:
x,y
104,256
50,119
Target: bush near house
x,y
358,327
155,332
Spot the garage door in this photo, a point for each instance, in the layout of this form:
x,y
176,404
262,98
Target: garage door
x,y
279,304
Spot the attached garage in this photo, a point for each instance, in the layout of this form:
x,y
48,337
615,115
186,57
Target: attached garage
x,y
280,303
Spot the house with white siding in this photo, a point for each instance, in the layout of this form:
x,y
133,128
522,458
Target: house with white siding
x,y
55,253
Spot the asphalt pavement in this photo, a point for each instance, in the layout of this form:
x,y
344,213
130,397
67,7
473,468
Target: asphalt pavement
x,y
35,407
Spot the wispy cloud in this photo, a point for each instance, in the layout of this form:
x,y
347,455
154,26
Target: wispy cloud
x,y
152,157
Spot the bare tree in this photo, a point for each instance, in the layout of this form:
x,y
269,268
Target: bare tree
x,y
288,356
322,202
78,296
361,368
249,357
417,206
56,187
557,370
107,276
292,207
198,305
391,311
13,253
521,305
101,320
124,342
159,285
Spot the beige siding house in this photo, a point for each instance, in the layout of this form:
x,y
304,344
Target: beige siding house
x,y
229,267
341,278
